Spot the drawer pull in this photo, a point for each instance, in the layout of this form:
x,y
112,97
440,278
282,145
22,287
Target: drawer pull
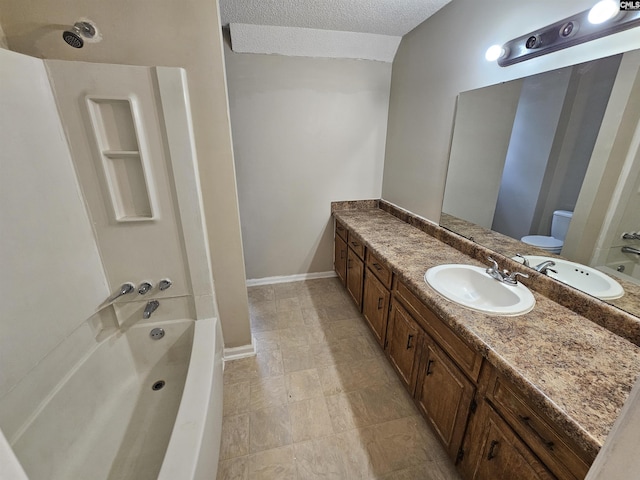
x,y
380,300
343,253
377,266
429,372
492,450
409,338
526,420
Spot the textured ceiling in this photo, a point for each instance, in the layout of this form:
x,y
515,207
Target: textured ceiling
x,y
384,17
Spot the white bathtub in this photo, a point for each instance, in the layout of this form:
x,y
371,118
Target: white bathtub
x,y
105,421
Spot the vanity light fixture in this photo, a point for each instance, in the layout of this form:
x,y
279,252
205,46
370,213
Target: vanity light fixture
x,y
605,18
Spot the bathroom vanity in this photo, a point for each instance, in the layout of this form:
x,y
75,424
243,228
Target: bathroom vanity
x,y
535,394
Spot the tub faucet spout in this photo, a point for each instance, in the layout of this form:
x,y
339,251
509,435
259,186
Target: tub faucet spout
x,y
150,308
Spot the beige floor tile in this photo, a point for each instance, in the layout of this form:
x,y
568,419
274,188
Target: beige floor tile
x,y
236,398
346,350
284,304
242,370
368,406
297,358
291,318
320,458
267,392
347,377
293,337
269,428
269,363
261,293
309,419
288,290
275,464
302,385
235,436
348,328
267,340
234,469
426,471
403,443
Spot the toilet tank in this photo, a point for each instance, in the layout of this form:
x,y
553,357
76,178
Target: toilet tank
x,y
560,223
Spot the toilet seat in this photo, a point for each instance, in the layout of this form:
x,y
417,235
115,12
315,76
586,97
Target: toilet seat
x,y
550,244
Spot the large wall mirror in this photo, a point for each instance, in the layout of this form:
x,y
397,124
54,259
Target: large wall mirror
x,y
549,165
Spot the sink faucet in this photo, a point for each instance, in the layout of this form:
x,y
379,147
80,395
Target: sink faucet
x,y
545,267
150,308
504,276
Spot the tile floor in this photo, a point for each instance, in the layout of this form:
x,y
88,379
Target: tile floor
x,y
320,400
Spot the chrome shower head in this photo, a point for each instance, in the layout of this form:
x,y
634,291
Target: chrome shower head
x,y
74,37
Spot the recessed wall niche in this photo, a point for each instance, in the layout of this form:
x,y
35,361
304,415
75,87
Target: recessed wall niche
x,y
119,138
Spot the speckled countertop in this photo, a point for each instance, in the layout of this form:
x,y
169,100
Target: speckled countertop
x,y
574,370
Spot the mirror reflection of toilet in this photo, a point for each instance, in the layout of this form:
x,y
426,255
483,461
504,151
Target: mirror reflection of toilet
x,y
559,227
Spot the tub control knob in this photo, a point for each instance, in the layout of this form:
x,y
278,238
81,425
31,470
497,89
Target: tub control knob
x,y
164,284
144,288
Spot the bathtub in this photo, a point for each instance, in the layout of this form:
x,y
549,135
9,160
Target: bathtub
x,y
133,408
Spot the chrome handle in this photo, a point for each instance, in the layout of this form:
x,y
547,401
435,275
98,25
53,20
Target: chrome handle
x,y
144,288
630,250
525,262
164,284
125,289
495,264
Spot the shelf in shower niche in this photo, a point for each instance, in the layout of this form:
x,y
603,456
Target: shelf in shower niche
x,y
121,153
119,137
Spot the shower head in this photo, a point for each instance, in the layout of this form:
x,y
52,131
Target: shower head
x,y
80,30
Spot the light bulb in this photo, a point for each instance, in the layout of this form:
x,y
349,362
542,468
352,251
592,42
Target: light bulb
x,y
494,52
603,11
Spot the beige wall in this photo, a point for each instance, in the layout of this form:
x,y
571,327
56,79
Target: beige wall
x,y
306,131
445,56
168,33
52,278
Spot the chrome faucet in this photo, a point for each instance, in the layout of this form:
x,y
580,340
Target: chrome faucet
x,y
545,267
125,289
151,307
503,276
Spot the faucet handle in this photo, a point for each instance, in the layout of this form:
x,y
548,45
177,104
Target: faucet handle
x,y
124,290
513,278
525,262
495,264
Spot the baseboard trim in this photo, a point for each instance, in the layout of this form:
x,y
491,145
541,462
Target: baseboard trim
x,y
254,282
243,351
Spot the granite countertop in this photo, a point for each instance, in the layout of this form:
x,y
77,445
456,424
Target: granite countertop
x,y
574,370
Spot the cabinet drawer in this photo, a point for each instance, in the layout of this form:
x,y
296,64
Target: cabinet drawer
x,y
551,446
467,358
357,246
341,230
379,269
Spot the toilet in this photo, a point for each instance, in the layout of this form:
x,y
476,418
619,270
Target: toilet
x,y
559,227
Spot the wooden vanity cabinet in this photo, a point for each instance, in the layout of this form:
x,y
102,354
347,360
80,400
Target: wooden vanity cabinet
x,y
375,306
340,259
444,396
498,453
377,296
355,276
404,339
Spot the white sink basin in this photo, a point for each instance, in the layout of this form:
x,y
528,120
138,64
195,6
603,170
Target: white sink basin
x,y
579,276
473,288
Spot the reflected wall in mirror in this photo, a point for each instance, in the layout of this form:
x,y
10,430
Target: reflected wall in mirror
x,y
565,141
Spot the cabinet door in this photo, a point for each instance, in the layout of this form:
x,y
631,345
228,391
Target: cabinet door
x,y
340,259
503,456
375,306
444,395
355,274
403,341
